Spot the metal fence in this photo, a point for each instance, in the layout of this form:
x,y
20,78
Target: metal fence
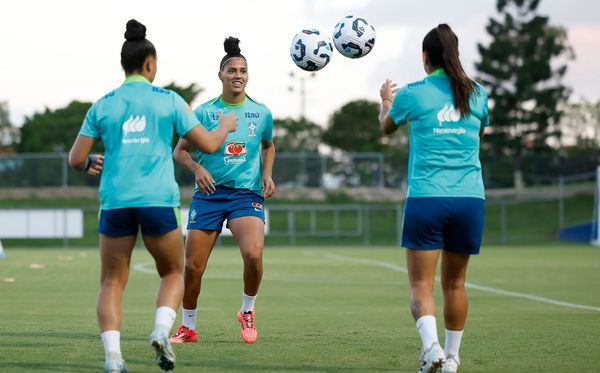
x,y
534,215
292,169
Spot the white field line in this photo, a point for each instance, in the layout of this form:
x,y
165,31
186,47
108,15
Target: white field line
x,y
397,268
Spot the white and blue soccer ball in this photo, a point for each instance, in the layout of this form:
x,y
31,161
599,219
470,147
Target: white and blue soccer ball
x,y
311,50
354,37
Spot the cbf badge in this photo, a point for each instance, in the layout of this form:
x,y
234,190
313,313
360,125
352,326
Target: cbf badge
x,y
252,127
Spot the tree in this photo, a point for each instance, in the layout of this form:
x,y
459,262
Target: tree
x,y
355,128
522,69
580,126
8,133
53,130
188,93
294,135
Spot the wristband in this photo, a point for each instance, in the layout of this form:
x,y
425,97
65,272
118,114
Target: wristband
x,y
90,161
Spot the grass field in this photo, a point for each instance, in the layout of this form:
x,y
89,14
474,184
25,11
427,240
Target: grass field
x,y
319,310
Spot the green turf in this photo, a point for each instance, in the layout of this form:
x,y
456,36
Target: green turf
x,y
319,310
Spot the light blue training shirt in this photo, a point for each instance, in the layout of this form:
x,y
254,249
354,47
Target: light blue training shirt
x,y
237,164
136,122
444,148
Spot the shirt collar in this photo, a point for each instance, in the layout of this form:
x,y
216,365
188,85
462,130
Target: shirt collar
x,y
136,78
438,72
232,105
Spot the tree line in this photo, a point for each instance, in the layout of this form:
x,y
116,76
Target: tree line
x,y
533,123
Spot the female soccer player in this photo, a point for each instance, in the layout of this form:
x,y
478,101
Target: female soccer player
x,y
446,113
230,185
136,122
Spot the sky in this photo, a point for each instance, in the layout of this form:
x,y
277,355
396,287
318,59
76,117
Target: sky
x,y
54,52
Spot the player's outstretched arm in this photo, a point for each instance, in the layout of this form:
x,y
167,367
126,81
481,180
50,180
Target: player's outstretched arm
x,y
211,141
387,92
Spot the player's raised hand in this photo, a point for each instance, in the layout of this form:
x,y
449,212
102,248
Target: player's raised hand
x,y
388,90
228,120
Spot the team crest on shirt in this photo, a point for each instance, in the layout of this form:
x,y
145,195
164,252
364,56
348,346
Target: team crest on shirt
x,y
252,128
235,152
257,206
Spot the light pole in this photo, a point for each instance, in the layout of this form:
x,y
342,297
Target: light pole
x,y
302,90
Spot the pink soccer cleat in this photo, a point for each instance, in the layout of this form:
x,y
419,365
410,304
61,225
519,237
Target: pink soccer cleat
x,y
249,334
184,335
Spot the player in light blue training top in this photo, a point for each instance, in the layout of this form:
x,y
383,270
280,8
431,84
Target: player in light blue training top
x,y
446,113
231,184
135,122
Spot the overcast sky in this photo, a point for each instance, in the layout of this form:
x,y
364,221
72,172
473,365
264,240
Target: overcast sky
x,y
56,51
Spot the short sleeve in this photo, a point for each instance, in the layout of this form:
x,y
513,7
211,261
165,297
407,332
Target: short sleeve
x,y
90,126
485,118
400,109
267,134
185,119
202,116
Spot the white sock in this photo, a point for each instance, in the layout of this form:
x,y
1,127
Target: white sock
x,y
247,303
111,339
189,318
452,344
165,317
428,330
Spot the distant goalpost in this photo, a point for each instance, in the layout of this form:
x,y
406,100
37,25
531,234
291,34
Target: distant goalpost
x,y
596,222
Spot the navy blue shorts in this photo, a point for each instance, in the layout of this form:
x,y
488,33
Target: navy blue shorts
x,y
209,211
453,224
154,221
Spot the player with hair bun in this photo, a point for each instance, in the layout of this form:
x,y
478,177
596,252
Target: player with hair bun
x,y
231,185
135,122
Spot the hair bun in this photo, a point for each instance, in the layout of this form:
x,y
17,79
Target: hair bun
x,y
232,46
135,31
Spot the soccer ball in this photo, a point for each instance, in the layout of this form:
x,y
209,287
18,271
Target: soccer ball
x,y
311,50
354,37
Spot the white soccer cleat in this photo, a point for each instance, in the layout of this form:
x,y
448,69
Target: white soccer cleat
x,y
451,364
165,357
114,363
432,359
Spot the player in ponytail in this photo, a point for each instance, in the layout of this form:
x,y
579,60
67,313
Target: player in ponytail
x,y
446,113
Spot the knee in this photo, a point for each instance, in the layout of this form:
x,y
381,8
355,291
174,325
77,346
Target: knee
x,y
421,286
113,283
453,285
194,270
252,254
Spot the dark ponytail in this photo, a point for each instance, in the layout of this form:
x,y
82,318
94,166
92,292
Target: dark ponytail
x,y
441,45
136,47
